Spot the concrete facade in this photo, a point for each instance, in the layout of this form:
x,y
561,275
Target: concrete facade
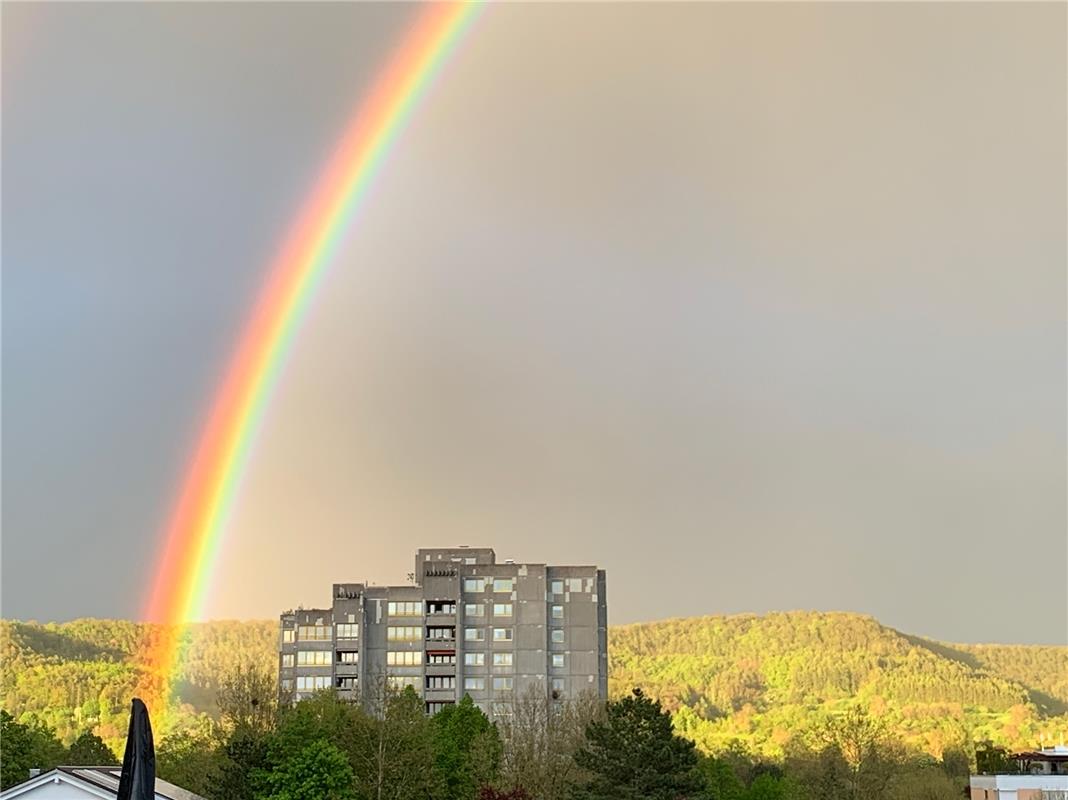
x,y
466,625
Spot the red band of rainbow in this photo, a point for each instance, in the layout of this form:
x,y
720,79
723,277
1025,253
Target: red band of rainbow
x,y
196,528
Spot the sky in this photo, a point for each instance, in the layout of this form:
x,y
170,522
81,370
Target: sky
x,y
756,306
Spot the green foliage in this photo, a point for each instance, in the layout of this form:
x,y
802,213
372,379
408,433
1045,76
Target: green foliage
x,y
770,787
394,747
79,676
26,747
489,793
763,681
467,750
191,760
89,750
248,698
633,754
721,782
318,771
993,760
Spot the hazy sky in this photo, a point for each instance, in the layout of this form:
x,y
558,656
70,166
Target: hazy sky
x,y
756,306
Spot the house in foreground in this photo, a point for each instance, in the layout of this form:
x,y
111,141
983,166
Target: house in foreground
x,y
1043,775
85,783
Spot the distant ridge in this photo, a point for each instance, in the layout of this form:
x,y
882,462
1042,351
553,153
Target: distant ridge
x,y
755,680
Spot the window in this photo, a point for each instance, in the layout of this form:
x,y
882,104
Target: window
x,y
474,684
502,659
502,634
441,682
348,657
502,684
434,708
347,683
349,631
502,609
474,635
558,635
313,633
558,684
557,612
557,587
502,584
402,682
469,560
287,659
474,659
404,658
288,635
440,607
287,684
312,683
474,584
474,610
313,658
441,633
405,609
558,659
502,709
574,584
434,658
402,633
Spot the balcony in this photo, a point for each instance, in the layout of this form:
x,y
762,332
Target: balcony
x,y
441,640
439,695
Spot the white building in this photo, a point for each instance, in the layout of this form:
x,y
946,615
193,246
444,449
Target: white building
x,y
1043,776
85,783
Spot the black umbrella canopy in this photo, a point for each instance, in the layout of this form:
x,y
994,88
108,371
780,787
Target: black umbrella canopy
x,y
138,781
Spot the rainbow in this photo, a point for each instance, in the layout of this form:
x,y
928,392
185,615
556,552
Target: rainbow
x,y
198,522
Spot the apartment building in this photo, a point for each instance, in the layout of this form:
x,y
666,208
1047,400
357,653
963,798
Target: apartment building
x,y
465,625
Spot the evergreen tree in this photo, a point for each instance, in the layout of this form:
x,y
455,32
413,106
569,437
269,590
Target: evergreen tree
x,y
634,754
89,750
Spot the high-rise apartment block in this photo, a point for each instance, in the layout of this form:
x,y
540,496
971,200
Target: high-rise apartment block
x,y
466,625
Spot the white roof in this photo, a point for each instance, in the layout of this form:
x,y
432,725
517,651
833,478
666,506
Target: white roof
x,y
79,783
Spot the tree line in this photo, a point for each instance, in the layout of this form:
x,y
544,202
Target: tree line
x,y
754,680
386,748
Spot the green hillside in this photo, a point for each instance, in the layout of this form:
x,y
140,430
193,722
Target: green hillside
x,y
758,681
761,679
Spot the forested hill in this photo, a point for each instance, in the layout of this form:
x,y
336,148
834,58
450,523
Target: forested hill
x,y
754,680
760,679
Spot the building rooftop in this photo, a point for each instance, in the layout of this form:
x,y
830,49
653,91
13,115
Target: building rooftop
x,y
93,781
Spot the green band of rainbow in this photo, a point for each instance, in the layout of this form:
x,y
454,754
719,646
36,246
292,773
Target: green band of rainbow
x,y
196,528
